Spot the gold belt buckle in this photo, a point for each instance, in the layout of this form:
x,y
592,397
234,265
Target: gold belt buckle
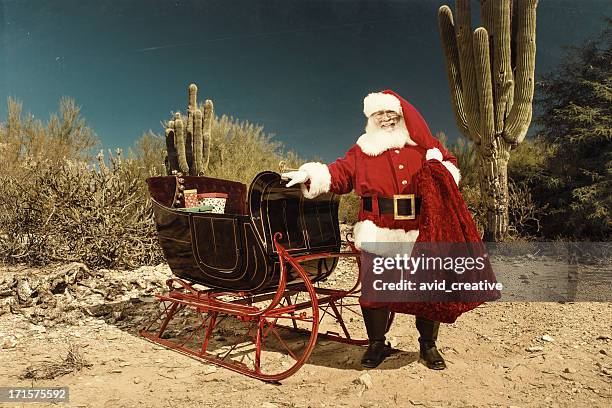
x,y
410,197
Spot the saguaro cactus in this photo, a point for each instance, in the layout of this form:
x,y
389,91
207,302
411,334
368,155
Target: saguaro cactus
x,y
188,140
491,79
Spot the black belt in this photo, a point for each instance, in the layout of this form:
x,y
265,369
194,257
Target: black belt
x,y
402,206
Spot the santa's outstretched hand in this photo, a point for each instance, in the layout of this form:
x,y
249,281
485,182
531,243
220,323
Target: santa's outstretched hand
x,y
295,177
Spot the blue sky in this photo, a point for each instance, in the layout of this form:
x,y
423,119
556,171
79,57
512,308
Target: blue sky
x,y
299,68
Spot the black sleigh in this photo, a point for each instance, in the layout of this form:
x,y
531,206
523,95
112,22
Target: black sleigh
x,y
247,293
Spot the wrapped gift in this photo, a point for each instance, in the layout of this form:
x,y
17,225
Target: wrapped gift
x,y
216,200
191,198
199,209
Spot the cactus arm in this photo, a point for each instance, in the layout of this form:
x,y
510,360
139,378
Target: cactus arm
x,y
197,143
193,97
513,19
191,106
189,127
171,148
486,19
179,143
502,70
519,117
486,16
446,28
485,92
207,132
463,28
189,146
189,130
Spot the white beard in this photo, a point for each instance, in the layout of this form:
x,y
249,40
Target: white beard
x,y
376,140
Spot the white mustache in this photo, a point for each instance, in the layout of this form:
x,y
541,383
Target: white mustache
x,y
388,123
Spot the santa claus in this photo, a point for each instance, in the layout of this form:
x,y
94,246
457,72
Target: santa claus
x,y
380,168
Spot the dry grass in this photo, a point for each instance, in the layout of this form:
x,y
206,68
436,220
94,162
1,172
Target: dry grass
x,y
48,370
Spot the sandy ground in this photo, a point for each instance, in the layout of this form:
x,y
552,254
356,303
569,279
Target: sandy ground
x,y
504,354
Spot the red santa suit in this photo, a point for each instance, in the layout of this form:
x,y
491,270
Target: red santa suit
x,y
381,165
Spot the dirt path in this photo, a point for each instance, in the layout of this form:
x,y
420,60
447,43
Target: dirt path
x,y
496,355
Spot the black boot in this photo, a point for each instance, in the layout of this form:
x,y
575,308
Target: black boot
x,y
428,353
376,322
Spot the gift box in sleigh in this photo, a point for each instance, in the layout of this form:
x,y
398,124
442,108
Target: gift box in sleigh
x,y
246,294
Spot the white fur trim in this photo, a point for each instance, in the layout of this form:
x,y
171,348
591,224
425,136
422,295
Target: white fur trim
x,y
433,154
376,140
378,101
383,241
453,170
320,179
436,154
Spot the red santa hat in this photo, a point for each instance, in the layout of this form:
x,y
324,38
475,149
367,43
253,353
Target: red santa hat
x,y
388,100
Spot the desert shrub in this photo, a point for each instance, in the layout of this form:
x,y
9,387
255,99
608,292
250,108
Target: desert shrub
x,y
526,216
73,211
528,161
64,136
148,154
349,208
467,160
58,204
525,172
471,196
240,150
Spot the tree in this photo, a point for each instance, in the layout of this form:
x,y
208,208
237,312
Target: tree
x,y
575,101
491,77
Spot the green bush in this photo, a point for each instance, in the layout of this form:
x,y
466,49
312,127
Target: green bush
x,y
575,105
